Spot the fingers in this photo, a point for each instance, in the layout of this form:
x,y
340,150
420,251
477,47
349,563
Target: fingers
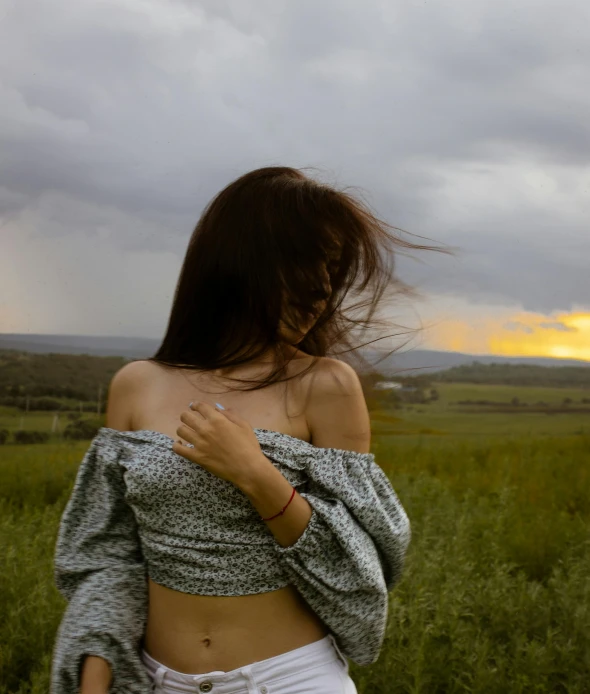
x,y
204,409
196,419
188,433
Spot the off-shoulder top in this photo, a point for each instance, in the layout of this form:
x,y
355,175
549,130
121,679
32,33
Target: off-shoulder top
x,y
139,509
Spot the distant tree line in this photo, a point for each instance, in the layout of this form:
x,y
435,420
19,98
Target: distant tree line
x,y
66,382
517,375
55,381
77,429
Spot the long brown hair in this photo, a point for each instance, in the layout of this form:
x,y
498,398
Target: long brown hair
x,y
259,255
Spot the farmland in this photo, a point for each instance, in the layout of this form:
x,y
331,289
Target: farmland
x,y
494,597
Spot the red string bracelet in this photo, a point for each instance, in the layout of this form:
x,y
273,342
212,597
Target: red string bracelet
x,y
280,513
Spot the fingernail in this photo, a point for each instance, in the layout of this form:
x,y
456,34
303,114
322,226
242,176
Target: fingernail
x,y
190,404
221,407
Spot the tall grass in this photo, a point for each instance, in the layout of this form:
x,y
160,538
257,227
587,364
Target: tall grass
x,y
495,594
30,607
492,599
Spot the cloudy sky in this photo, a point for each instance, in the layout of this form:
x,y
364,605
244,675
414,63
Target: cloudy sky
x,y
466,122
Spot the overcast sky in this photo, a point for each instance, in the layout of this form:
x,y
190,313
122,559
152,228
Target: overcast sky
x,y
465,122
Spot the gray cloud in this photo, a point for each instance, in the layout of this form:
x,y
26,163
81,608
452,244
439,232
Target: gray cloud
x,y
515,326
558,326
467,123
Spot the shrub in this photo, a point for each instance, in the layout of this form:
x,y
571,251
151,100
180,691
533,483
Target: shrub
x,y
82,429
30,436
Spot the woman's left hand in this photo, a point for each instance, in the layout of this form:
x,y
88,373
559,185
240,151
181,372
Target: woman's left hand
x,y
224,443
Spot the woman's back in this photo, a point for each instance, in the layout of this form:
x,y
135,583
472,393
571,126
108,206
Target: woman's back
x,y
198,633
162,394
260,298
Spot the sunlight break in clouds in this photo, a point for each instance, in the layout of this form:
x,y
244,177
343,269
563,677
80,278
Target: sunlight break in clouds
x,y
563,336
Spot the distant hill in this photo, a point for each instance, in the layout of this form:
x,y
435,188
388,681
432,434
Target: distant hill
x,y
130,347
412,362
417,362
76,370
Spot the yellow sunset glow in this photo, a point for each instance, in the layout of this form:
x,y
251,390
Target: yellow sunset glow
x,y
560,336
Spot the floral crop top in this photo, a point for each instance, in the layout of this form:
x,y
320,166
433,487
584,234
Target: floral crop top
x,y
139,509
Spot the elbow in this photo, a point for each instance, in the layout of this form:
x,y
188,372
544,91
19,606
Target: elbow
x,y
377,619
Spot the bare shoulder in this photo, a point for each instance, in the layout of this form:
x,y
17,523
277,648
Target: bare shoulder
x,y
124,389
336,412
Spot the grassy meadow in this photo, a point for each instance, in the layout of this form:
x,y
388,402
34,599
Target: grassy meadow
x,y
495,596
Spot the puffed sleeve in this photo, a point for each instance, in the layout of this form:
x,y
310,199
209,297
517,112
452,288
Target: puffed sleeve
x,y
99,569
351,554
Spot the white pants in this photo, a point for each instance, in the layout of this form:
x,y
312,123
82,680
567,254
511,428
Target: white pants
x,y
318,668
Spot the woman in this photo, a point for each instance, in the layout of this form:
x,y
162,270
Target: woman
x,y
246,542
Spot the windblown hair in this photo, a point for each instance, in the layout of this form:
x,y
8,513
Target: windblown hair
x,y
258,255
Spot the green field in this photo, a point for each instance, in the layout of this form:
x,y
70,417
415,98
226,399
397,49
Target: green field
x,y
495,595
444,417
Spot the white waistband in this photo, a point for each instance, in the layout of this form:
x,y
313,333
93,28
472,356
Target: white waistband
x,y
312,655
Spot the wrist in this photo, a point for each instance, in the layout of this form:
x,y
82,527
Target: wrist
x,y
96,675
278,514
256,476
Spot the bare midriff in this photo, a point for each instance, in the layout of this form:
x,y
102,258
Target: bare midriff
x,y
201,633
